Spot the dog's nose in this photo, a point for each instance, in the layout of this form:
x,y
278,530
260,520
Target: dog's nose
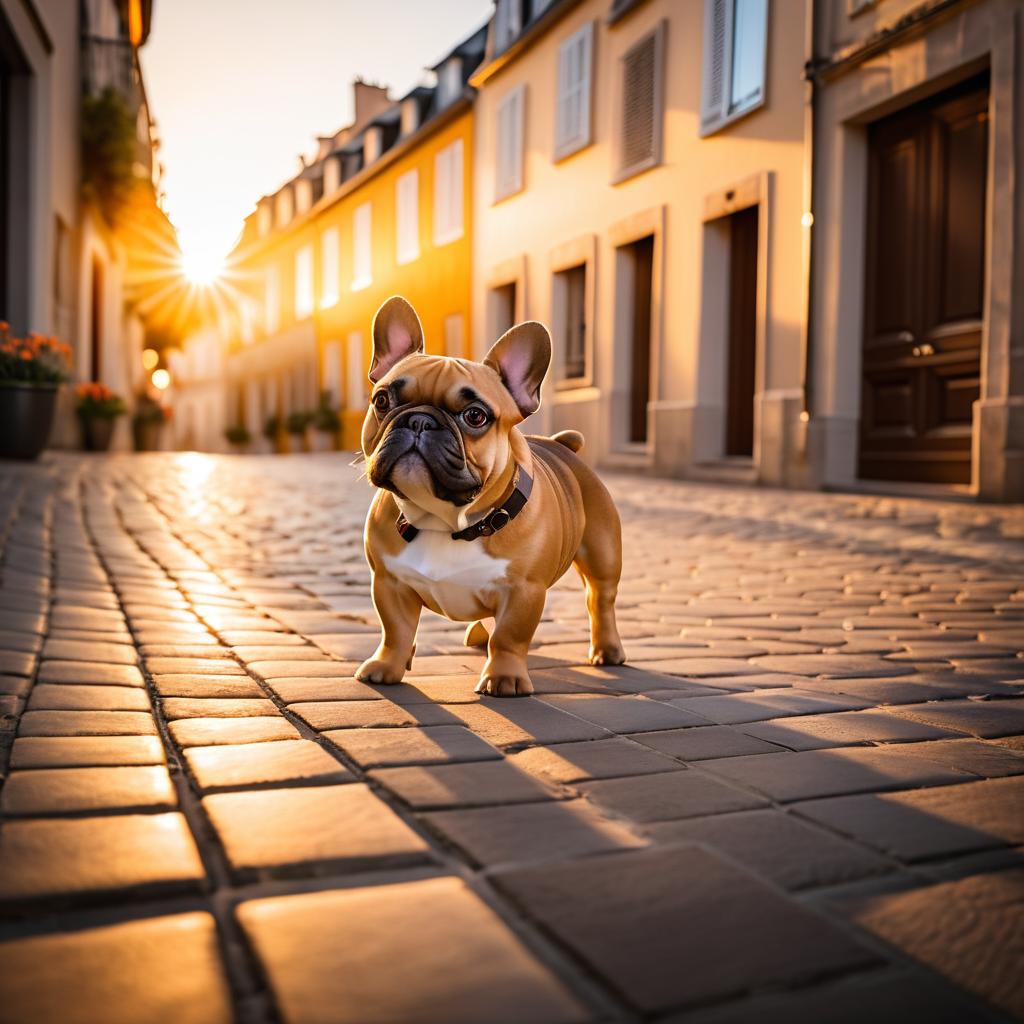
x,y
420,421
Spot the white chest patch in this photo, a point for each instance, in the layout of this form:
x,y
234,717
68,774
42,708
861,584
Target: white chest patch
x,y
453,577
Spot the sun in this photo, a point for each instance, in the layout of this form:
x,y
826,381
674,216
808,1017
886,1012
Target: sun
x,y
201,267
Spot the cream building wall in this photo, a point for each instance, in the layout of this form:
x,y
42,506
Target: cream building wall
x,y
925,48
571,209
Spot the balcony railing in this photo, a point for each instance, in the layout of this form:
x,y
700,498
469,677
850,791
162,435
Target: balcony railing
x,y
109,64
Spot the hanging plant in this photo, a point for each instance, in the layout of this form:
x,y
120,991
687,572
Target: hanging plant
x,y
108,153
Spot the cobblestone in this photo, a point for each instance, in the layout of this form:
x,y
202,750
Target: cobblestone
x,y
788,803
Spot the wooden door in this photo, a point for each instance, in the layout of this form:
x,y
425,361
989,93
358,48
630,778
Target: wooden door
x,y
739,423
642,253
925,282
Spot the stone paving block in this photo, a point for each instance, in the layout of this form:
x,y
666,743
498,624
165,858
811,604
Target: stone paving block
x,y
242,638
479,784
198,666
14,686
624,714
294,691
373,714
831,666
118,974
87,723
440,744
592,759
85,751
17,663
13,640
457,689
845,728
62,697
65,790
739,708
103,653
311,828
531,832
125,854
677,926
813,773
697,668
667,796
185,685
978,718
883,997
948,650
929,823
197,647
970,930
986,759
266,653
89,672
268,671
778,846
330,958
204,732
703,743
260,764
202,707
523,722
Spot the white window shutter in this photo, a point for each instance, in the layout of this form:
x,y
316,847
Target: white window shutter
x,y
362,256
304,282
572,128
448,194
408,215
509,155
640,127
734,60
271,307
329,267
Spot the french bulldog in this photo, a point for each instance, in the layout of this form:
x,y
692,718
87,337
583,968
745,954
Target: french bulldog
x,y
472,519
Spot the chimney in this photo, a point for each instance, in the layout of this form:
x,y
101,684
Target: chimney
x,y
369,101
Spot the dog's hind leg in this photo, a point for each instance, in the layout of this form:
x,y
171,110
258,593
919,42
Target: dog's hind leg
x,y
476,635
599,562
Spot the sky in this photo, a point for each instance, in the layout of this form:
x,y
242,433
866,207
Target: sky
x,y
239,88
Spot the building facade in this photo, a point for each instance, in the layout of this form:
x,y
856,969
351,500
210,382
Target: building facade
x,y
384,208
641,182
917,359
63,269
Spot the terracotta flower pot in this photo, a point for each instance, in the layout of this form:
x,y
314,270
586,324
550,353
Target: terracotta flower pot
x,y
26,416
146,435
97,433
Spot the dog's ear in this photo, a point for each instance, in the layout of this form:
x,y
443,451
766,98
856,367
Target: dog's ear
x,y
397,333
521,357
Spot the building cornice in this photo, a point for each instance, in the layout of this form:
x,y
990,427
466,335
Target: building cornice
x,y
439,121
551,17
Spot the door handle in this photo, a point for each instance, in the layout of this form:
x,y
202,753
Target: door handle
x,y
906,337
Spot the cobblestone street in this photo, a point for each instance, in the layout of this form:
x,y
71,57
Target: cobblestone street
x,y
801,800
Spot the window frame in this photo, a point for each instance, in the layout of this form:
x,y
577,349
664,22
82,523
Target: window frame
x,y
517,180
625,172
407,235
563,259
449,172
330,283
508,24
304,299
362,280
566,145
714,120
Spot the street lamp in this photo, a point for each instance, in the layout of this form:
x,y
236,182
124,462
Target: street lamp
x,y
161,380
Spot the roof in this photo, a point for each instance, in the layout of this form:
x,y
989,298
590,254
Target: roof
x,y
472,46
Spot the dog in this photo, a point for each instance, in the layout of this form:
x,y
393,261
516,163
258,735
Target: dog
x,y
472,519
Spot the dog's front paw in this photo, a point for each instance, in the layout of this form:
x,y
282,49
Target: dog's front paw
x,y
505,678
607,654
380,670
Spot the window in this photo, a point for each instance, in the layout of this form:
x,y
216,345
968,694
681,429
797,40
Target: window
x,y
332,174
572,127
509,155
735,41
362,264
453,336
407,204
640,110
357,385
283,207
573,285
271,301
329,250
508,23
304,282
448,194
449,81
264,218
332,372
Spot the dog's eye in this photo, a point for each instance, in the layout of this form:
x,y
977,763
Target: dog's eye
x,y
381,401
474,416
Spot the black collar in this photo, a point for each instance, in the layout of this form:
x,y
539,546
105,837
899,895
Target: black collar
x,y
495,520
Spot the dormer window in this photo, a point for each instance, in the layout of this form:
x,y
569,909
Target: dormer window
x,y
332,174
264,218
410,115
283,207
303,195
373,144
508,23
449,81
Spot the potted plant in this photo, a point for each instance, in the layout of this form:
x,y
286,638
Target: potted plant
x,y
98,410
31,370
150,416
271,428
238,437
324,426
296,424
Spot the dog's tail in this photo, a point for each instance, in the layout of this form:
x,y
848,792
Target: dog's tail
x,y
572,439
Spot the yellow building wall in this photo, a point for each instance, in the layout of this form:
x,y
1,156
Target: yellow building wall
x,y
437,283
